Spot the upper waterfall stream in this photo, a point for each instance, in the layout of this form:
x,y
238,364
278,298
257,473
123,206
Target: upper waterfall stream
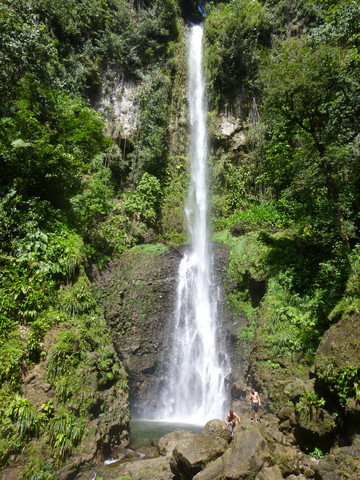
x,y
195,389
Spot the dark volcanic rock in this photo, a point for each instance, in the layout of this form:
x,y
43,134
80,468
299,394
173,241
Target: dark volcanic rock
x,y
138,294
341,463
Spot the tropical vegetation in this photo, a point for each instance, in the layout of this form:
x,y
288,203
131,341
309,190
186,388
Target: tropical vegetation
x,y
76,191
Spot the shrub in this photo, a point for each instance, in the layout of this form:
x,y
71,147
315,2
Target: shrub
x,y
77,299
65,433
64,355
344,382
38,469
24,416
12,353
310,404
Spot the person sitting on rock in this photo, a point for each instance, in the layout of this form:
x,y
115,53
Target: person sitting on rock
x,y
231,420
255,404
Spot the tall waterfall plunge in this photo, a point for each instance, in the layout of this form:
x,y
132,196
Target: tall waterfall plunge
x,y
195,389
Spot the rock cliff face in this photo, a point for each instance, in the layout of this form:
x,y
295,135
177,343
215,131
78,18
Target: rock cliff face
x,y
138,296
138,293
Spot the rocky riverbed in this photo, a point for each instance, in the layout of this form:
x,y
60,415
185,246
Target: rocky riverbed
x,y
254,451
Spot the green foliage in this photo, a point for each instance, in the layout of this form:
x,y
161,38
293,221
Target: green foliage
x,y
64,355
268,215
341,26
94,33
40,258
232,180
310,104
24,417
65,253
294,283
56,138
143,204
172,202
93,203
293,19
46,411
27,47
83,359
224,236
247,334
236,33
77,298
12,353
116,231
36,336
247,256
151,149
25,293
38,469
301,293
65,433
344,382
316,453
309,405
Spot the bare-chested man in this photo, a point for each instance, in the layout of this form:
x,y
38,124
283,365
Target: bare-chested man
x,y
232,419
255,404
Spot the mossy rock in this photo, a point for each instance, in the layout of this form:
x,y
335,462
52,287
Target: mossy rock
x,y
337,360
340,346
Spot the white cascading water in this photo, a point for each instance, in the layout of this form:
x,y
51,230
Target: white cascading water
x,y
195,390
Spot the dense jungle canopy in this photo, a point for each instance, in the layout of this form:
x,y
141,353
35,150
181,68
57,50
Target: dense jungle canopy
x,y
77,189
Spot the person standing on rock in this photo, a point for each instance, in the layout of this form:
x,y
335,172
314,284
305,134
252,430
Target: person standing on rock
x,y
231,420
255,404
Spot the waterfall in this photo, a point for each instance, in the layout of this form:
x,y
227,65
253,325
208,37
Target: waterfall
x,y
195,390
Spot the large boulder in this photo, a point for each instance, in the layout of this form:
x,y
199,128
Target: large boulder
x,y
168,442
246,455
339,350
211,471
270,473
316,429
297,387
337,362
136,469
286,458
193,453
341,463
214,429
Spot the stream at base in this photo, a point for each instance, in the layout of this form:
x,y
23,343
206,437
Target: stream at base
x,y
144,438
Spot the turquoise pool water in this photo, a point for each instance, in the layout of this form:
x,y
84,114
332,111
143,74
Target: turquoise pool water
x,y
145,432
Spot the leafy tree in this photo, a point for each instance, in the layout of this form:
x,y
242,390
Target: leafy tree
x,y
236,33
27,49
293,18
151,149
341,28
93,203
311,106
46,142
143,204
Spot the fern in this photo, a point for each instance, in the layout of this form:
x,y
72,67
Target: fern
x,y
25,417
65,433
